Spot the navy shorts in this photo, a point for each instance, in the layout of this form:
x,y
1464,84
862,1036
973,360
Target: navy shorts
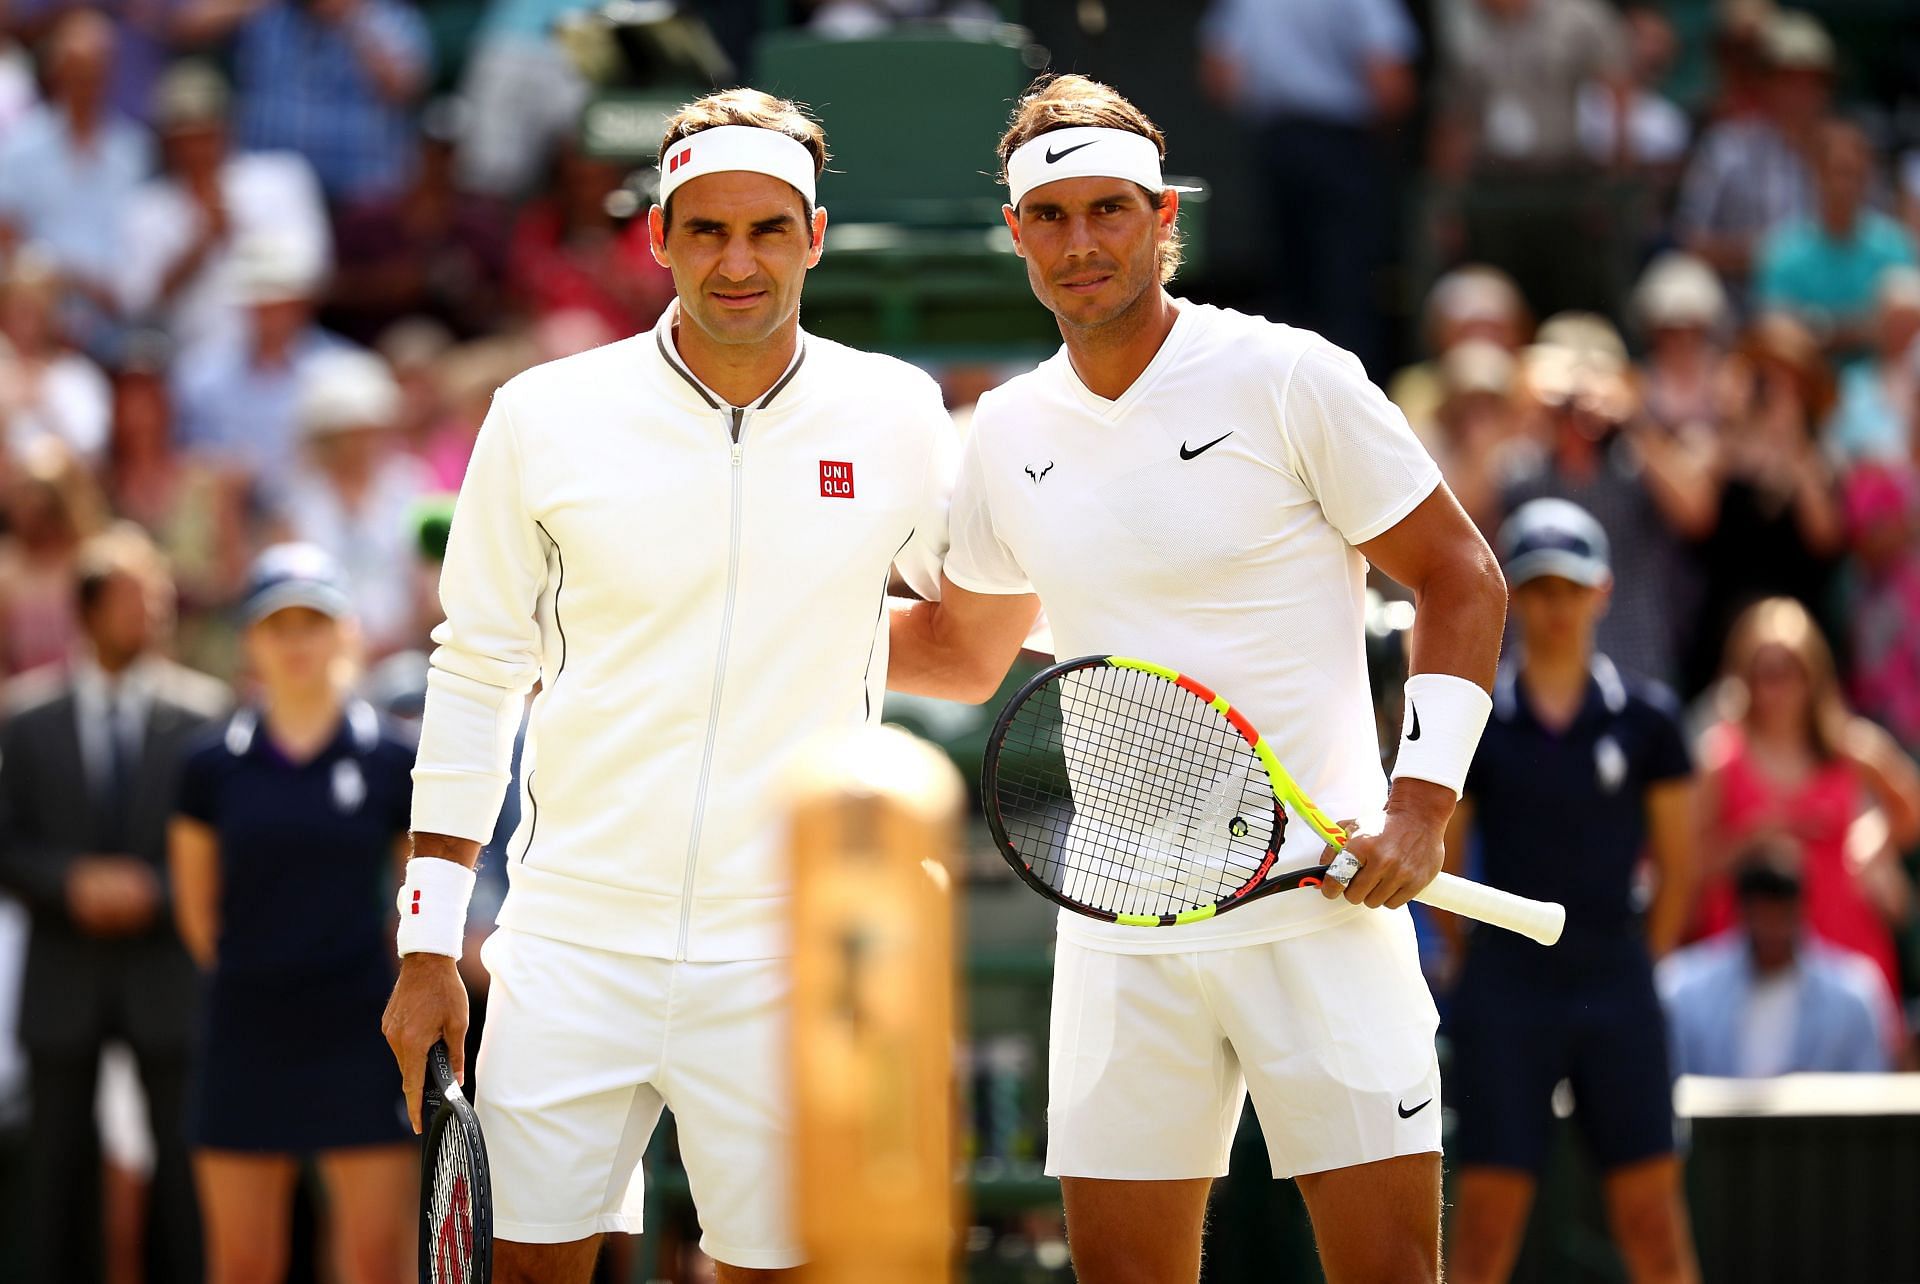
x,y
1520,1024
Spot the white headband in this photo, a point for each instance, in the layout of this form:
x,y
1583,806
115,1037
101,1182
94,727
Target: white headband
x,y
738,147
1085,151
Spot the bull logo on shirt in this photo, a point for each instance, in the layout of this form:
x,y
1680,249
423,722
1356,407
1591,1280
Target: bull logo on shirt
x,y
349,786
1040,476
1609,765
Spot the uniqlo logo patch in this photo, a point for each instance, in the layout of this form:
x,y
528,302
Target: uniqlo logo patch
x,y
682,157
836,479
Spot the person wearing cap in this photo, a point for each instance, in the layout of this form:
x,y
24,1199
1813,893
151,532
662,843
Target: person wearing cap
x,y
179,271
1206,488
1751,173
1825,269
1582,772
1684,316
286,834
354,488
1874,418
1767,996
90,754
685,537
236,392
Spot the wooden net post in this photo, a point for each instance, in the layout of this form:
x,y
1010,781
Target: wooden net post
x,y
875,816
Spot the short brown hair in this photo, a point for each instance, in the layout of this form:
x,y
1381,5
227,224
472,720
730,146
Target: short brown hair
x,y
755,109
1072,101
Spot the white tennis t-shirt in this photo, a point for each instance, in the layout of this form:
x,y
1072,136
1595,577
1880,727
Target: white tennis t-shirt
x,y
1206,521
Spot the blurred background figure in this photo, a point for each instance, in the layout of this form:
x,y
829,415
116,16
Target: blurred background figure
x,y
1753,170
1477,425
179,273
1788,759
1321,82
1508,142
69,169
573,253
354,489
90,755
1658,129
52,506
522,95
1882,600
1878,411
48,391
1473,301
1824,270
1684,316
330,79
1766,997
284,849
1580,774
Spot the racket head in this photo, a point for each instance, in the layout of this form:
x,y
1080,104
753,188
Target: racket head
x,y
456,1191
1131,793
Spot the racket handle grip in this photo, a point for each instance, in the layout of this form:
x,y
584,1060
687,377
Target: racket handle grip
x,y
1540,920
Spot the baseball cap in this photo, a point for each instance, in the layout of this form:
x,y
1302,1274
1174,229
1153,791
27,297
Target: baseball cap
x,y
1795,41
294,575
1554,537
1680,291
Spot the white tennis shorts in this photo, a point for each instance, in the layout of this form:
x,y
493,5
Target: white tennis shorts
x,y
1153,1055
583,1047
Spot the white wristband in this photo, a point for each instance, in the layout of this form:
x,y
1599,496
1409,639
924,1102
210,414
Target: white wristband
x,y
433,906
1445,716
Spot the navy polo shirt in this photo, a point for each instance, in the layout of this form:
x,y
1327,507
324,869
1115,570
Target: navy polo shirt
x,y
1562,814
307,872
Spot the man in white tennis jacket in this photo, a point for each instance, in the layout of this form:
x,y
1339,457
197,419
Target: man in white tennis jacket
x,y
685,537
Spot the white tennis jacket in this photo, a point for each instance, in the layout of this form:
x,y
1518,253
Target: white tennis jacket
x,y
699,589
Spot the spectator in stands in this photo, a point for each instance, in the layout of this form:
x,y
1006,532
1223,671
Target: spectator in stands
x,y
1766,997
1751,172
235,394
429,250
1470,302
1658,128
1580,773
1476,426
573,253
52,507
1508,139
181,231
1788,758
333,80
1824,269
1321,82
48,391
1776,528
469,374
283,851
523,96
1880,398
68,171
353,491
1882,607
1682,310
89,759
1648,489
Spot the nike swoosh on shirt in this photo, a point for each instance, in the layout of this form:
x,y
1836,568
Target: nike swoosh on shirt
x,y
1408,1114
1201,450
1053,156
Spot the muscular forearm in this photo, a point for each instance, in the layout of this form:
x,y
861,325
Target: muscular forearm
x,y
925,658
461,851
1460,612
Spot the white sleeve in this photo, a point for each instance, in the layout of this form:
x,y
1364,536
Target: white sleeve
x,y
1351,446
487,652
150,244
919,562
979,561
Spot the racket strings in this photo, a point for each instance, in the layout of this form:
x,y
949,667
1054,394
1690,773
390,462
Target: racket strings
x,y
1127,793
452,1211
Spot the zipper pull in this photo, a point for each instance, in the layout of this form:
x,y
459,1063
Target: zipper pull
x,y
736,454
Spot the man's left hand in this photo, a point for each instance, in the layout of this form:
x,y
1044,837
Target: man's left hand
x,y
1399,861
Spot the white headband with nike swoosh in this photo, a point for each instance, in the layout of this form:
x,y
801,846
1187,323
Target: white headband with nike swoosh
x,y
738,147
1085,151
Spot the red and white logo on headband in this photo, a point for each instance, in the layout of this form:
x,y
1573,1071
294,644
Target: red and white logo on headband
x,y
727,148
682,157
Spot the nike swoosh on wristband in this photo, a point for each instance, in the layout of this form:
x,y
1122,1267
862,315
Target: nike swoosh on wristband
x,y
1415,733
1408,1114
1053,156
1201,450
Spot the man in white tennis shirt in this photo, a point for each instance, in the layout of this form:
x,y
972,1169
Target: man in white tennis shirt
x,y
1204,490
685,537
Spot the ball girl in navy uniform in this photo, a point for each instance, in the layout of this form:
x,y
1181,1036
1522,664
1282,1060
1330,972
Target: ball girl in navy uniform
x,y
283,852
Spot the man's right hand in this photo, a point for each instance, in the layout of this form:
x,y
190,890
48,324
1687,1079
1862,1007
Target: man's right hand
x,y
429,1003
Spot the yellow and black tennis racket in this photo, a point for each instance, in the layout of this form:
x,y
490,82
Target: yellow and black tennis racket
x,y
1133,794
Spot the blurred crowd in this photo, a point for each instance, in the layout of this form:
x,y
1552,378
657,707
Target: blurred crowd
x,y
258,281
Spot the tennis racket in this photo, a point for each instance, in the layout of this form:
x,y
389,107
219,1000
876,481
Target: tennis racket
x,y
456,1197
1133,794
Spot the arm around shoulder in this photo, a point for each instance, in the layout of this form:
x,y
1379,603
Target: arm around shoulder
x,y
960,647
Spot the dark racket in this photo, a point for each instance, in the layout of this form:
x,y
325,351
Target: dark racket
x,y
456,1198
1133,794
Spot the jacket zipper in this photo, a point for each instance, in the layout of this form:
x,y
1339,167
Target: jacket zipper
x,y
735,419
